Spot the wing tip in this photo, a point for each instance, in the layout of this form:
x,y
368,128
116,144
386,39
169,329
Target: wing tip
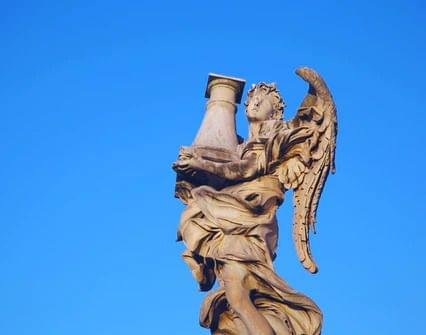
x,y
302,71
311,267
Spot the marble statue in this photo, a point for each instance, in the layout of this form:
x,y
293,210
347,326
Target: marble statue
x,y
232,189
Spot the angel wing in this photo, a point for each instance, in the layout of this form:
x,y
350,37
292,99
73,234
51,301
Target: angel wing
x,y
317,112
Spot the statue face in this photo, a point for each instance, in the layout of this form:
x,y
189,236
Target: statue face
x,y
259,108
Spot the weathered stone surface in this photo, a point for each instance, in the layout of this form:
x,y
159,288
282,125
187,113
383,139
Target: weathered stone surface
x,y
233,188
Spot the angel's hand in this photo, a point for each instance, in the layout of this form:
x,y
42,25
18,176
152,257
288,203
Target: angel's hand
x,y
187,166
292,173
186,153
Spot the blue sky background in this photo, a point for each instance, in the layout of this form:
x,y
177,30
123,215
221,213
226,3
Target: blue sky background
x,y
97,96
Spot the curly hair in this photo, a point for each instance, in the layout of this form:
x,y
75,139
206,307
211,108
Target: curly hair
x,y
272,91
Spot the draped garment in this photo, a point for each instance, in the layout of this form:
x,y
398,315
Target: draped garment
x,y
238,223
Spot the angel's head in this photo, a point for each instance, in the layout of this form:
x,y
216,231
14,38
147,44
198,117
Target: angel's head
x,y
264,102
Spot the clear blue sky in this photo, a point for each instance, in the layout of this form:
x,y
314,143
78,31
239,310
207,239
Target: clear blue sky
x,y
97,96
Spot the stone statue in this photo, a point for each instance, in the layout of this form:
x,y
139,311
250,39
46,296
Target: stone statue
x,y
232,189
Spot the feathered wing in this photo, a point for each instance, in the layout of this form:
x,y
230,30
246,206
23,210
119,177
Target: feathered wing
x,y
317,112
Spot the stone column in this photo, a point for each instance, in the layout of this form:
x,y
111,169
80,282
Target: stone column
x,y
216,139
218,126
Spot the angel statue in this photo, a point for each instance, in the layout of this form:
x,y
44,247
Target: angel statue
x,y
232,189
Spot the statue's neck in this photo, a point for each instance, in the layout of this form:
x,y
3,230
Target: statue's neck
x,y
260,128
254,129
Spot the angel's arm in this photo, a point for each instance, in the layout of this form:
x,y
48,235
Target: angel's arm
x,y
294,166
289,142
244,169
288,152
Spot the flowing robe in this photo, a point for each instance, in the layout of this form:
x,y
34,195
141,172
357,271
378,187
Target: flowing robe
x,y
238,223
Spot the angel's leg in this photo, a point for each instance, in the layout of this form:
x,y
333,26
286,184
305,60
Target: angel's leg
x,y
201,271
235,280
240,329
282,327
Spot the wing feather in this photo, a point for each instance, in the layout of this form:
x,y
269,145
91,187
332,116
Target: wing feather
x,y
319,112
